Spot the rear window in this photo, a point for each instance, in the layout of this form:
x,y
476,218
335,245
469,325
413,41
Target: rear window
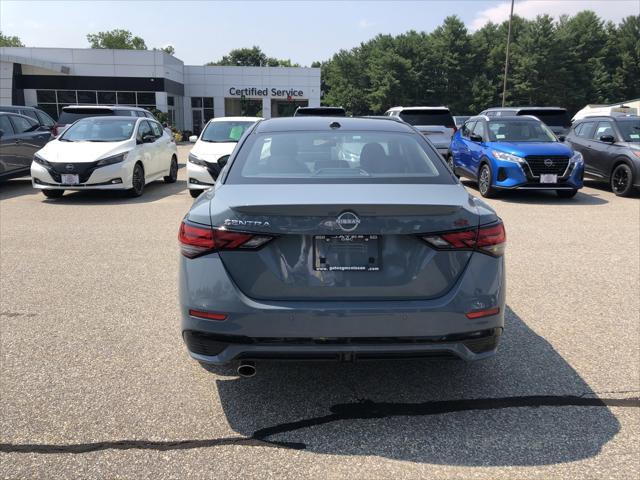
x,y
70,115
337,157
556,118
428,117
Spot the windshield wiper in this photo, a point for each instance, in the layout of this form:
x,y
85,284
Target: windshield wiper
x,y
65,140
356,171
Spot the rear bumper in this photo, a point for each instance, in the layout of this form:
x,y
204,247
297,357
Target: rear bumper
x,y
220,349
337,330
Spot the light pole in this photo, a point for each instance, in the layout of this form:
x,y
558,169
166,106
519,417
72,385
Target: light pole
x,y
506,60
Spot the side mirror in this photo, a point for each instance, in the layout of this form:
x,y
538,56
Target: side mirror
x,y
193,138
562,138
149,138
474,137
222,161
607,139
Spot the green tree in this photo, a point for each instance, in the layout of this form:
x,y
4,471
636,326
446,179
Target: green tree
x,y
627,73
169,49
116,39
251,57
10,41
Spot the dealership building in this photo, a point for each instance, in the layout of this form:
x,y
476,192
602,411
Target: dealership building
x,y
51,78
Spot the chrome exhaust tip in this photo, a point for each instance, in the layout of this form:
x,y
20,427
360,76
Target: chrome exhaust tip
x,y
247,369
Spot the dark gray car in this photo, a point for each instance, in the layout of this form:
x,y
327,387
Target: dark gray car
x,y
610,147
20,138
336,239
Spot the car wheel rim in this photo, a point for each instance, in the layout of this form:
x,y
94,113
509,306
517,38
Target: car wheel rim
x,y
137,179
484,180
620,180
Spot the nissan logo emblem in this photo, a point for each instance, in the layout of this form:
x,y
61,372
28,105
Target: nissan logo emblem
x,y
548,162
69,167
348,221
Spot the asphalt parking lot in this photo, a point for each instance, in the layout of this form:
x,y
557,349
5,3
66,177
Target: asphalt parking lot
x,y
95,381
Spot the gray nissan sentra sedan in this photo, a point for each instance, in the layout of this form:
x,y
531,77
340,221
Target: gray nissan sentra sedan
x,y
339,239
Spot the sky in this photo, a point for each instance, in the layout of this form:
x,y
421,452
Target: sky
x,y
203,31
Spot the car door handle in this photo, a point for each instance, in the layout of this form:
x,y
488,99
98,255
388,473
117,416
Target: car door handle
x,y
18,141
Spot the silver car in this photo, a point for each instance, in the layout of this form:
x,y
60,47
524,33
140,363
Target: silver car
x,y
339,239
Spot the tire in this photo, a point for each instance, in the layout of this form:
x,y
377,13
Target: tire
x,y
53,193
173,171
485,178
566,193
137,181
451,166
621,180
195,193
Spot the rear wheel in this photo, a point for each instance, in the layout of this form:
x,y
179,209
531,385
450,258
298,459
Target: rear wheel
x,y
622,180
137,181
484,182
195,193
53,193
566,193
173,171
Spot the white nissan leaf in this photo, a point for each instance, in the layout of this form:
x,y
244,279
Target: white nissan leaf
x,y
207,157
105,153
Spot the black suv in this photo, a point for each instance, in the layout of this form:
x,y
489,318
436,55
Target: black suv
x,y
610,146
20,138
43,119
556,118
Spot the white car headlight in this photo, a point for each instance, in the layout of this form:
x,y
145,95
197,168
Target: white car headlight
x,y
508,157
121,157
196,161
577,158
38,159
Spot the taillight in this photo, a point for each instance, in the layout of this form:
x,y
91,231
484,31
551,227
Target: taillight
x,y
198,240
490,239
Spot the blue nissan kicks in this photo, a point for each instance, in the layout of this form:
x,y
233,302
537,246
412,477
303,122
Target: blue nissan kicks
x,y
515,153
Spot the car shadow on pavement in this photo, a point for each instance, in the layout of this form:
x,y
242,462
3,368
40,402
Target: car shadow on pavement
x,y
525,406
152,192
605,187
543,197
16,187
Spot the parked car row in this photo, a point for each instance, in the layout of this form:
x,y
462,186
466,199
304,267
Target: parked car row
x,y
533,147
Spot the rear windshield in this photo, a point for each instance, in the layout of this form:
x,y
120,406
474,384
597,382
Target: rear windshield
x,y
519,131
630,130
337,157
428,117
224,132
71,115
321,112
98,129
556,118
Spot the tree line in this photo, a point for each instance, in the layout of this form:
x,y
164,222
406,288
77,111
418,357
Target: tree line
x,y
570,62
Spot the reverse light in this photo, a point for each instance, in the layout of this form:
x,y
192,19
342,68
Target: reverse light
x,y
507,157
490,239
198,240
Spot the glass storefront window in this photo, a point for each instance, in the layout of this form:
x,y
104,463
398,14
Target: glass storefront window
x,y
87,97
126,98
107,98
146,98
207,102
67,96
170,101
46,96
196,102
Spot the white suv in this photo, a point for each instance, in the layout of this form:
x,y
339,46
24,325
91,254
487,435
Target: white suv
x,y
211,150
